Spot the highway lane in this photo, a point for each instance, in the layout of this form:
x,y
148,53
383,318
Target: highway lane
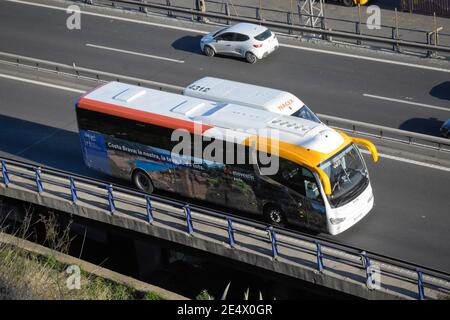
x,y
410,220
330,84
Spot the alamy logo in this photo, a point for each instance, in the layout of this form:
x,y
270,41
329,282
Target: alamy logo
x,y
73,22
74,279
374,19
197,147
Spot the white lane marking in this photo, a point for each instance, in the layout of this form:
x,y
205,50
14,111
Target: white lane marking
x,y
423,105
419,163
44,84
349,55
110,17
133,53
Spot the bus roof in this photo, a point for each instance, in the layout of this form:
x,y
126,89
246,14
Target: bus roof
x,y
231,121
245,94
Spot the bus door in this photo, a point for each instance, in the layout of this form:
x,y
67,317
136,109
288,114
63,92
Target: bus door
x,y
316,211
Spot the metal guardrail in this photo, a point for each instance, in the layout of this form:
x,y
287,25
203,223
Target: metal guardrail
x,y
439,7
323,32
323,254
387,133
363,128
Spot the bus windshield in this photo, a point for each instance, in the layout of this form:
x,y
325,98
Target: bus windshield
x,y
305,113
348,175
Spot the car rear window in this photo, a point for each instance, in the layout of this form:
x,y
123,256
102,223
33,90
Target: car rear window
x,y
263,36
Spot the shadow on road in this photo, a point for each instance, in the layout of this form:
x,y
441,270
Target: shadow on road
x,y
428,126
41,144
188,43
441,91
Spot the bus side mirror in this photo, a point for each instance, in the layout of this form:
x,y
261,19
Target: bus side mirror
x,y
368,145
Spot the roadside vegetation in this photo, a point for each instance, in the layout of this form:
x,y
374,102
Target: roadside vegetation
x,y
26,275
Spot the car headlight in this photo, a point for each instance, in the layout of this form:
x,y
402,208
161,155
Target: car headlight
x,y
336,220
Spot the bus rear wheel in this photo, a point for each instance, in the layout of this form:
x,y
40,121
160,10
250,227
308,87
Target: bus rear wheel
x,y
142,181
274,216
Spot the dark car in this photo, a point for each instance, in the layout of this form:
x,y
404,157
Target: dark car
x,y
445,129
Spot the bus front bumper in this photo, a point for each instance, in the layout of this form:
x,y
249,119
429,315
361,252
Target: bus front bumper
x,y
350,214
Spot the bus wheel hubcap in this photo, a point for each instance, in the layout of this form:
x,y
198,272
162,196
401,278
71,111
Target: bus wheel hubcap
x,y
142,182
275,216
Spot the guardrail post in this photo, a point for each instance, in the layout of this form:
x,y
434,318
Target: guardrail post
x,y
187,210
366,265
73,190
430,53
227,11
169,12
231,239
5,173
38,179
289,21
143,9
149,210
358,31
200,6
273,240
319,256
111,205
420,285
323,27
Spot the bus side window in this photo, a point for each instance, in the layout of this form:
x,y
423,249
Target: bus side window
x,y
311,188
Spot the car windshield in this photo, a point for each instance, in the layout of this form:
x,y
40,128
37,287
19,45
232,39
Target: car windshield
x,y
263,36
305,113
218,31
348,175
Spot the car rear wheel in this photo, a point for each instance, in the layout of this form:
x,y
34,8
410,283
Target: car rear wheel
x,y
250,57
208,51
143,182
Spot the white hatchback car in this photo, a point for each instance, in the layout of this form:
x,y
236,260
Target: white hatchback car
x,y
246,40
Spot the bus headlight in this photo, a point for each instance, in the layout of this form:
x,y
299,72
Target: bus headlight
x,y
336,220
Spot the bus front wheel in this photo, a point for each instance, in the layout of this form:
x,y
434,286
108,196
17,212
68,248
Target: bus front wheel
x,y
142,181
274,215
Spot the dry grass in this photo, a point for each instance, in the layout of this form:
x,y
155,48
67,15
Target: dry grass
x,y
25,275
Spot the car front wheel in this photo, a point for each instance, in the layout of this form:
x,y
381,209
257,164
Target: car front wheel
x,y
250,57
208,51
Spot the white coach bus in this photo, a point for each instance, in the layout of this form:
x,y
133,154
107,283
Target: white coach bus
x,y
249,95
320,182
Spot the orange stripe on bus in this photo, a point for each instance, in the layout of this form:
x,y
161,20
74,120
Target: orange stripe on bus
x,y
142,116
